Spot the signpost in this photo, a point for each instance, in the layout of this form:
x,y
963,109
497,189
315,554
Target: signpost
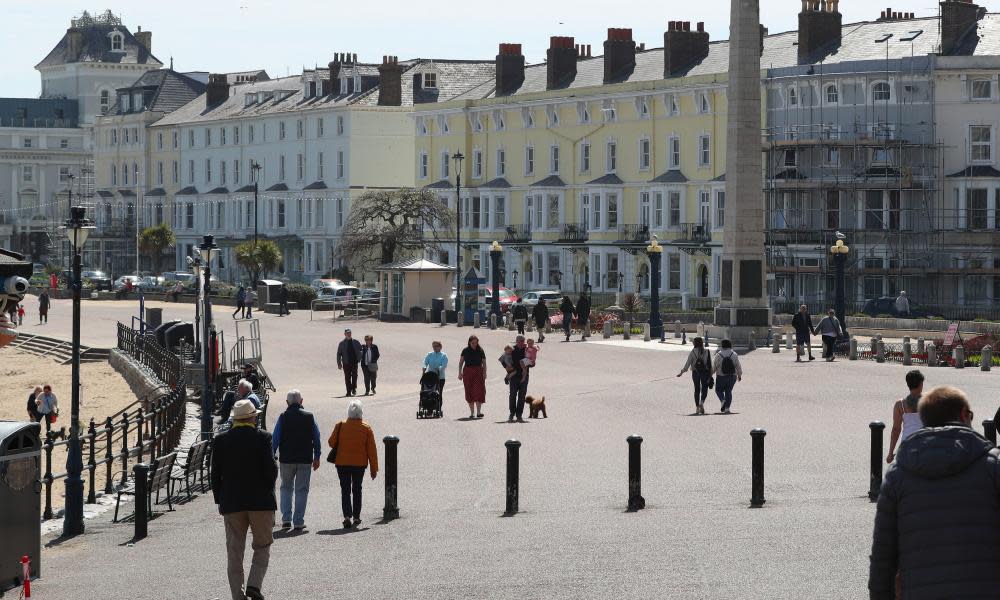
x,y
949,338
472,297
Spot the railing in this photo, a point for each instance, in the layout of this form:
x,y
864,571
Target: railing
x,y
517,233
633,233
140,435
574,232
165,365
356,307
39,124
694,232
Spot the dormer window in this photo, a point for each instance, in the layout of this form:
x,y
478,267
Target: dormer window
x,y
528,117
583,111
793,97
123,99
343,85
609,111
137,104
117,41
498,121
249,99
442,124
430,81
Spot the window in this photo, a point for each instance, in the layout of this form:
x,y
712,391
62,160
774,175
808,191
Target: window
x,y
873,209
442,122
705,104
114,174
477,163
114,137
644,155
190,171
673,271
299,127
832,209
424,165
583,110
644,208
27,173
501,162
319,127
208,137
982,89
585,157
208,170
189,215
340,125
135,173
552,211
159,173
27,142
793,97
159,141
704,151
340,164
720,209
236,134
585,209
300,167
529,160
674,153
190,138
281,130
673,105
250,133
281,168
611,156
832,94
105,101
833,156
117,41
528,117
175,136
642,107
236,170
319,166
554,159
612,271
981,143
499,212
222,136
124,174
976,207
444,164
174,174
612,211
125,134
281,213
498,121
674,208
596,201
791,158
222,172
881,92
658,210
553,115
430,80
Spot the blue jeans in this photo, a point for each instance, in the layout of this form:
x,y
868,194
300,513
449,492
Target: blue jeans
x,y
294,479
724,389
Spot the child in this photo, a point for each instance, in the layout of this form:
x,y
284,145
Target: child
x,y
251,299
20,315
507,360
531,352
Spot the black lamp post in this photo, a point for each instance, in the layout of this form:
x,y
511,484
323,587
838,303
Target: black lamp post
x,y
559,276
655,252
207,250
458,158
840,252
515,279
496,251
77,229
255,175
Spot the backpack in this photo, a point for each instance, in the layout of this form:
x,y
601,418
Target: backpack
x,y
699,363
728,366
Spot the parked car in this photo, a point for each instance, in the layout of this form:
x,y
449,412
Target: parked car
x,y
319,284
886,305
99,279
120,282
341,296
549,297
369,294
507,297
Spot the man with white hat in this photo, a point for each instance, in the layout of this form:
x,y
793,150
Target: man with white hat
x,y
243,476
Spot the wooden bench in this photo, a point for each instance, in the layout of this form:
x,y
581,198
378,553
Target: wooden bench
x,y
159,477
193,467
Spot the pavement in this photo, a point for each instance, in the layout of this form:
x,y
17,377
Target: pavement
x,y
698,538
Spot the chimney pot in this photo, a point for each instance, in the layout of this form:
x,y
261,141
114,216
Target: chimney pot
x,y
560,63
701,26
819,31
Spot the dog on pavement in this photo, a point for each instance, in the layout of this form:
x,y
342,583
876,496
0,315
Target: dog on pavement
x,y
536,405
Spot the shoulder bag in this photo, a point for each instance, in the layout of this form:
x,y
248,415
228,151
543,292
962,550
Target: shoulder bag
x,y
331,457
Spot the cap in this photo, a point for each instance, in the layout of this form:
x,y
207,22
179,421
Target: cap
x,y
347,331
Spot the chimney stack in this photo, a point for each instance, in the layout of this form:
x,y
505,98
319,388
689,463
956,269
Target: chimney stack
x,y
682,47
958,18
334,66
510,69
560,67
619,54
217,90
145,38
820,24
390,82
74,44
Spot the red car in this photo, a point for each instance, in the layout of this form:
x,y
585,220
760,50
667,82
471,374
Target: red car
x,y
507,297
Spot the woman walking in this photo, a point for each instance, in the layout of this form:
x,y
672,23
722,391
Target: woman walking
x,y
241,298
727,372
700,362
436,362
567,309
353,444
472,371
905,418
541,316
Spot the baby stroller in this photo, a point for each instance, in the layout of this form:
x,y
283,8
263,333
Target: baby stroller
x,y
430,397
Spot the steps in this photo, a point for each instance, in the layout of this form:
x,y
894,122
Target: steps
x,y
57,349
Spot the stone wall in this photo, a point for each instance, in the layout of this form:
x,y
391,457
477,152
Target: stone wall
x,y
143,384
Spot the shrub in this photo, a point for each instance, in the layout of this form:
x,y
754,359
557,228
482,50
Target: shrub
x,y
301,294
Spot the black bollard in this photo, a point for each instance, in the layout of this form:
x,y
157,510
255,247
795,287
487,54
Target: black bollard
x,y
391,510
684,337
141,473
757,490
513,475
990,431
635,499
878,428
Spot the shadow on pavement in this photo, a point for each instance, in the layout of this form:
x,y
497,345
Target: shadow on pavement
x,y
342,531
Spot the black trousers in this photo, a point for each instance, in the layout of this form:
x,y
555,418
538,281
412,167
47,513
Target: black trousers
x,y
828,343
283,308
540,326
351,377
370,377
240,308
700,379
518,391
350,484
520,327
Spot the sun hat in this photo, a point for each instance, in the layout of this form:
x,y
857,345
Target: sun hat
x,y
244,409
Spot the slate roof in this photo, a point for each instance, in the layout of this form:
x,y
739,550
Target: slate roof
x,y
244,189
316,185
444,184
609,179
278,187
96,47
671,176
720,178
219,190
497,183
550,181
188,191
105,194
157,192
126,193
169,90
977,171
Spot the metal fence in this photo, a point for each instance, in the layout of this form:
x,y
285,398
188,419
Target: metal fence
x,y
144,349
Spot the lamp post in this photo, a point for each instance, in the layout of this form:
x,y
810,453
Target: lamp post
x,y
496,250
515,279
839,252
77,229
559,276
255,175
458,158
655,252
208,250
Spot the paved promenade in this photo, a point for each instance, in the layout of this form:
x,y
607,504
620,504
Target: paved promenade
x,y
572,539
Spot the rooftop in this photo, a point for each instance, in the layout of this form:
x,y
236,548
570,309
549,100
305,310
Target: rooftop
x,y
89,39
163,90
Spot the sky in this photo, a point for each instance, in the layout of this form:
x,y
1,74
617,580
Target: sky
x,y
282,36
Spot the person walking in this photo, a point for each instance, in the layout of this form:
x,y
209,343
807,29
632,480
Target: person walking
x,y
937,523
348,357
251,299
540,313
20,314
283,301
437,362
583,314
353,444
43,307
47,405
830,329
520,315
241,298
700,362
517,374
567,309
295,440
802,323
33,413
243,476
905,418
472,372
727,371
902,305
369,363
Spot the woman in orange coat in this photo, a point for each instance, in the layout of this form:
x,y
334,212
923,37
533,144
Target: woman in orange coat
x,y
354,444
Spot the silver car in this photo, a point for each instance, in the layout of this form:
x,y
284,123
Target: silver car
x,y
549,297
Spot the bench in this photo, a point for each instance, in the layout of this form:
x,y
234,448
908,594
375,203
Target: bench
x,y
159,476
193,467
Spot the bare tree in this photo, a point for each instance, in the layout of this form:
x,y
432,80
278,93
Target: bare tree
x,y
382,223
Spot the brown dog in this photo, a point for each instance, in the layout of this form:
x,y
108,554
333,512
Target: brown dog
x,y
536,405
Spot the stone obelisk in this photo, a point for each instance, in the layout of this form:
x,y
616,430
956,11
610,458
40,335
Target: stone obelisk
x,y
743,308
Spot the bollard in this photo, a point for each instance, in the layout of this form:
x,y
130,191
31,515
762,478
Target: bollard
x,y
530,326
907,352
990,431
757,483
677,329
635,499
875,483
932,355
493,321
475,319
959,357
391,510
706,339
684,337
986,360
751,342
459,318
607,329
788,340
513,448
25,578
141,474
920,345
854,349
626,330
663,335
776,344
880,351
645,332
444,318
510,322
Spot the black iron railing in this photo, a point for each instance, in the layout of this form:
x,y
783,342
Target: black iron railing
x,y
633,233
518,233
144,349
573,232
695,233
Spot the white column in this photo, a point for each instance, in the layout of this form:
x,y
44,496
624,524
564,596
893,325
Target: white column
x,y
963,192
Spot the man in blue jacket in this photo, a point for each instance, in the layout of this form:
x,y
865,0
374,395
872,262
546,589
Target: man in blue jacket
x,y
296,441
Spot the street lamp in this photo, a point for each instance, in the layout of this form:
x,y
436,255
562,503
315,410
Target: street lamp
x,y
458,158
77,228
655,252
559,276
515,279
839,252
496,251
255,176
207,251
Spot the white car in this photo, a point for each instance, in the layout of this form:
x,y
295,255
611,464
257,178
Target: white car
x,y
120,282
551,298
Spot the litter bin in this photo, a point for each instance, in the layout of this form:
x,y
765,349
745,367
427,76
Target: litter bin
x,y
154,317
161,332
177,333
437,305
20,497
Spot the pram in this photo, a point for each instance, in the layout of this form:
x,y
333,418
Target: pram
x,y
430,397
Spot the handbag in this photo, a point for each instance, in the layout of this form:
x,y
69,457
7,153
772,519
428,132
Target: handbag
x,y
711,382
331,456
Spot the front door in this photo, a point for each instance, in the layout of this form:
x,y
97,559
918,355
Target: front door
x,y
703,281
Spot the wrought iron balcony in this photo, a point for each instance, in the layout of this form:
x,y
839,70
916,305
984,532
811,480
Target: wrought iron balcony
x,y
633,233
696,233
518,233
573,232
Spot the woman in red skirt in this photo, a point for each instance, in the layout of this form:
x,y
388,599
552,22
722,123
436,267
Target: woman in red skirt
x,y
472,371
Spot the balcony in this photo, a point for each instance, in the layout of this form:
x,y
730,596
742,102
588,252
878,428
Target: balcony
x,y
573,233
694,233
517,233
633,234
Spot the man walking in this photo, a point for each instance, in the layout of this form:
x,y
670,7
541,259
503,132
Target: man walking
x,y
47,405
520,314
517,374
902,305
43,307
583,314
830,329
243,476
541,316
348,357
283,301
937,522
296,441
369,364
802,323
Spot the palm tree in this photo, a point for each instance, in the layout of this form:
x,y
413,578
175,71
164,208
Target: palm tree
x,y
154,240
258,257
